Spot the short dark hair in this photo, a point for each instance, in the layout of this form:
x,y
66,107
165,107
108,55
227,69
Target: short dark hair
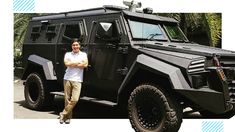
x,y
75,40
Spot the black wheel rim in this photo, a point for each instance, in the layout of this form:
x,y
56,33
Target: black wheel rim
x,y
148,110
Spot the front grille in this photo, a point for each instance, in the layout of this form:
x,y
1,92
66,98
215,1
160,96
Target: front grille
x,y
229,70
227,63
196,66
229,73
231,89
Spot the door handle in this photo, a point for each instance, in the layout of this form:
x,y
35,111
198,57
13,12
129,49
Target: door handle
x,y
63,49
111,45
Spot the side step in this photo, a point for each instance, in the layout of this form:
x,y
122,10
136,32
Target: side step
x,y
90,99
98,101
58,93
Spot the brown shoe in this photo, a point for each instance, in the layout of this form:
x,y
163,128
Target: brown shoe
x,y
67,121
61,118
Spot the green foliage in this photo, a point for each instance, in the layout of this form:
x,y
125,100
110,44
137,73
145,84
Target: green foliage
x,y
17,59
200,22
213,23
21,21
20,26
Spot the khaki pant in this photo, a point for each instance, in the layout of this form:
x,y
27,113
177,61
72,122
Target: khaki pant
x,y
72,92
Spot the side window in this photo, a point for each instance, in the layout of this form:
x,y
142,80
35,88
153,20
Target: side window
x,y
51,33
71,31
35,33
44,33
106,31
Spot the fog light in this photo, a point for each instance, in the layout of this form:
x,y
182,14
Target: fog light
x,y
199,81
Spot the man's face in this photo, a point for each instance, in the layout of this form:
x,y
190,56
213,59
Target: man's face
x,y
76,47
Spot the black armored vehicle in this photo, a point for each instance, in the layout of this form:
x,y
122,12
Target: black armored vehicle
x,y
137,60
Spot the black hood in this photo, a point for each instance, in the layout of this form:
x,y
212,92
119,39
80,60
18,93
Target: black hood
x,y
189,48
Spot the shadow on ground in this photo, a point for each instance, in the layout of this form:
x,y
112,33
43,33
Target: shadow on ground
x,y
83,110
87,110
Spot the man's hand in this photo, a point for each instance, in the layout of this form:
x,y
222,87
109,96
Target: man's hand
x,y
76,64
82,64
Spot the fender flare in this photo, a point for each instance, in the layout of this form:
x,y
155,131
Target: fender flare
x,y
146,62
46,64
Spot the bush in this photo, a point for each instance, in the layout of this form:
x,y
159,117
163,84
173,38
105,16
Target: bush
x,y
17,59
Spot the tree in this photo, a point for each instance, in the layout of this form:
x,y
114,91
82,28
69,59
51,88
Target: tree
x,y
192,23
212,22
21,21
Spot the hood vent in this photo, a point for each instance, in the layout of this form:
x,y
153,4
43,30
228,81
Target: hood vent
x,y
196,66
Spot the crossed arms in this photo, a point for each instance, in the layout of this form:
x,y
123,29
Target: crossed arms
x,y
76,64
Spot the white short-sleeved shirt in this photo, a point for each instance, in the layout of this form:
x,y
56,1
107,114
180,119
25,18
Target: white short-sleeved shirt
x,y
75,74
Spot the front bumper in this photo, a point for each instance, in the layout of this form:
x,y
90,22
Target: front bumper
x,y
218,95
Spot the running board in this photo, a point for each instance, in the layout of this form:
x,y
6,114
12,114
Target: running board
x,y
98,101
89,99
58,93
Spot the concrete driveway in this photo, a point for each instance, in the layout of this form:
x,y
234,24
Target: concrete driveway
x,y
84,110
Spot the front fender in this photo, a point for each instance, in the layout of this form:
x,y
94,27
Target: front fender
x,y
46,65
156,66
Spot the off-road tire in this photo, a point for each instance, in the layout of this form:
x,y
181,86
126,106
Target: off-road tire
x,y
37,96
152,110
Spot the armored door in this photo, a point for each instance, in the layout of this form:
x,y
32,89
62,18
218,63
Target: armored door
x,y
106,62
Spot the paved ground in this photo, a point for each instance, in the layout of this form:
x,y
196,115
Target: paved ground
x,y
83,110
20,109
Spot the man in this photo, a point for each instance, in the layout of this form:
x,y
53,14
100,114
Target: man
x,y
75,62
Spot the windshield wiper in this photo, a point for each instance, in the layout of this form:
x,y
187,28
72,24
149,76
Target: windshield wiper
x,y
151,36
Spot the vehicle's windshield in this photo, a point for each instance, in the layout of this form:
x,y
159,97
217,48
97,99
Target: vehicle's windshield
x,y
175,33
141,30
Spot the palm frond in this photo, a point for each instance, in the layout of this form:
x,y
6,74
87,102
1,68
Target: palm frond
x,y
214,23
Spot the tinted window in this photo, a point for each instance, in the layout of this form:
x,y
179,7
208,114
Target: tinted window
x,y
175,33
72,31
143,30
35,33
51,33
36,29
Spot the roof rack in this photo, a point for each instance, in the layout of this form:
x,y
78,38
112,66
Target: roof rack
x,y
81,12
113,7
